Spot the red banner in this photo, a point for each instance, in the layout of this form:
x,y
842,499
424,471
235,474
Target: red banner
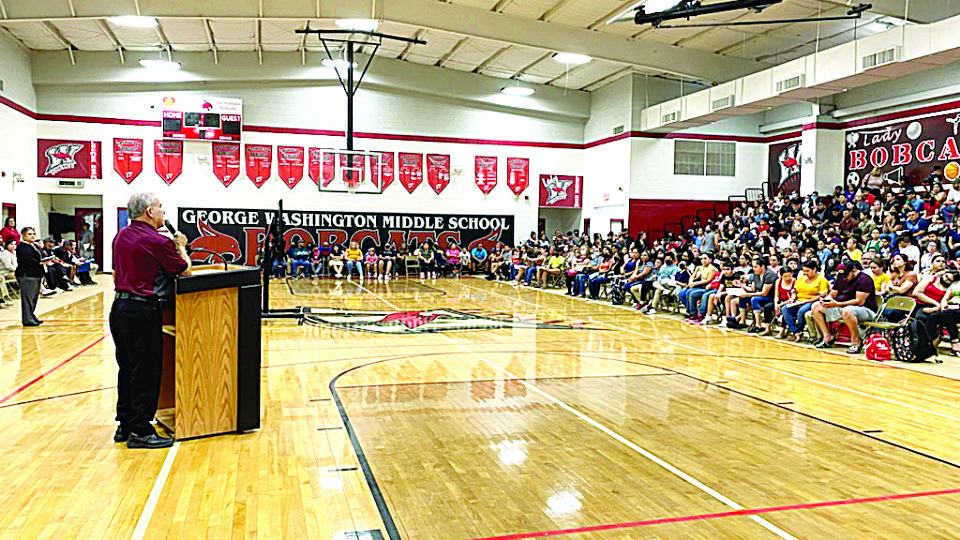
x,y
411,170
387,169
68,159
561,191
226,162
438,171
290,164
168,160
259,158
128,158
518,174
485,173
315,155
329,168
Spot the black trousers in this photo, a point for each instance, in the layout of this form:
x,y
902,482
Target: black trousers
x,y
137,329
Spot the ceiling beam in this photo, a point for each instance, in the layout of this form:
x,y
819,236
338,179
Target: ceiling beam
x,y
406,50
606,79
162,37
500,6
105,29
602,21
530,66
3,10
491,59
259,29
770,31
55,32
557,8
566,73
452,52
213,45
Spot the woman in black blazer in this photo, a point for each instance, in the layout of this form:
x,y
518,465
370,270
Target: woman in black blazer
x,y
30,270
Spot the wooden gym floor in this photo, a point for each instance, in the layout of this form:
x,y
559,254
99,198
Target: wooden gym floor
x,y
571,419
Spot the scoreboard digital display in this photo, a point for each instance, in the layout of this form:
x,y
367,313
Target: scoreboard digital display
x,y
202,119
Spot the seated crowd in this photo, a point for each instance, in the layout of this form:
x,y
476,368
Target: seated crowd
x,y
303,260
63,266
812,265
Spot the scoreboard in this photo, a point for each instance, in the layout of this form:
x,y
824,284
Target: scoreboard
x,y
202,118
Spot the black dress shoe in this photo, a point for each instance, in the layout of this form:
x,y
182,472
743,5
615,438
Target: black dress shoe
x,y
150,441
33,324
121,435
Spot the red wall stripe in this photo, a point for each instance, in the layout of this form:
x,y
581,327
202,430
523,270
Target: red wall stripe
x,y
17,107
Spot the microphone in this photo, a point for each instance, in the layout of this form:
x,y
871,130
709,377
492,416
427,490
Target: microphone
x,y
169,226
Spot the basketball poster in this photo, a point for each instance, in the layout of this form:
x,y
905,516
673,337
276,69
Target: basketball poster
x,y
561,191
68,159
168,160
128,158
290,164
438,171
226,162
411,171
485,173
385,169
518,174
259,158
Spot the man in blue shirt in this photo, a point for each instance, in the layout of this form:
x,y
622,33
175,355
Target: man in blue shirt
x,y
915,225
479,260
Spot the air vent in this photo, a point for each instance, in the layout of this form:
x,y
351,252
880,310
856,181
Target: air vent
x,y
670,117
618,129
70,182
722,103
884,57
791,83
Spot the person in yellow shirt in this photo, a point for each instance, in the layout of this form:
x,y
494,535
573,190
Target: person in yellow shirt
x,y
810,286
552,266
853,252
354,256
881,278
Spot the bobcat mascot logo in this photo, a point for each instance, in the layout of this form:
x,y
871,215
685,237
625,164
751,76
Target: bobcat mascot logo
x,y
212,241
418,322
556,189
60,157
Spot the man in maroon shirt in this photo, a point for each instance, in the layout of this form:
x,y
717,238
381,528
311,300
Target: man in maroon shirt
x,y
144,265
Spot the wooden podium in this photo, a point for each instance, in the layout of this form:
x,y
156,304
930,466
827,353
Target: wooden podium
x,y
211,354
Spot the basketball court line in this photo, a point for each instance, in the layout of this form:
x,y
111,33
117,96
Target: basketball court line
x,y
151,506
775,370
40,377
58,396
616,436
716,515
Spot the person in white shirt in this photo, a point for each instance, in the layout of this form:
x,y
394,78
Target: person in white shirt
x,y
8,260
909,250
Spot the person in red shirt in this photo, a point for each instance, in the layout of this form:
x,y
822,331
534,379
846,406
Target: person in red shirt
x,y
144,265
9,231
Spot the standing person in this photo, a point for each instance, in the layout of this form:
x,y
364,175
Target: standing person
x,y
30,271
144,263
9,231
87,246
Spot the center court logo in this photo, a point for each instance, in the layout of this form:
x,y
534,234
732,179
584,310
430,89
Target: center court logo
x,y
418,322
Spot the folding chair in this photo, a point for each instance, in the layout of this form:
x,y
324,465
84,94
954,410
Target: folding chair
x,y
411,263
905,304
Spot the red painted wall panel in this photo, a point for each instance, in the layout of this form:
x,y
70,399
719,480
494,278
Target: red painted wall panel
x,y
651,214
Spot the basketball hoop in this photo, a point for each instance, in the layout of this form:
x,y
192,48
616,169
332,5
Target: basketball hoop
x,y
351,171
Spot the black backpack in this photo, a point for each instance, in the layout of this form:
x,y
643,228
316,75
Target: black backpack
x,y
912,343
616,293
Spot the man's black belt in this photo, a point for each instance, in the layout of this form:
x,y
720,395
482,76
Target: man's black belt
x,y
137,297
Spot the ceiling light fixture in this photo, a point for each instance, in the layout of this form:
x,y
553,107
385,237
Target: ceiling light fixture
x,y
517,91
360,25
337,64
571,58
133,21
152,63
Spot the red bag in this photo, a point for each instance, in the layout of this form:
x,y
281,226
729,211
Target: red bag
x,y
878,348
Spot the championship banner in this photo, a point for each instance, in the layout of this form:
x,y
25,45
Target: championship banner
x,y
313,167
226,162
168,160
290,164
561,191
128,158
236,234
485,173
259,158
783,168
904,152
68,159
411,171
438,171
518,174
329,167
387,169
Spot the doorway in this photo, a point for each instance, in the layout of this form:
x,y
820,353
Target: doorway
x,y
586,227
9,211
90,242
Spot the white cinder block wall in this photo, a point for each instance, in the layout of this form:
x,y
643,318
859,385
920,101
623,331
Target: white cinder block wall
x,y
18,133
